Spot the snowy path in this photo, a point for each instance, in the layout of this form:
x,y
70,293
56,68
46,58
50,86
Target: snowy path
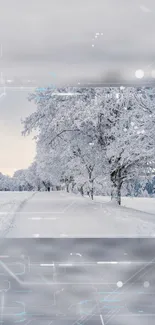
x,y
10,204
58,214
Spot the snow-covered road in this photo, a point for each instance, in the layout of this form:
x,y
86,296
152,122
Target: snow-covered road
x,y
10,204
59,214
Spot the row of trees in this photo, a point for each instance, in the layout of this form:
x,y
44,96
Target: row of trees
x,y
26,180
29,180
94,139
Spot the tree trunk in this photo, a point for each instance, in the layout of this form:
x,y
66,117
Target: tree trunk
x,y
81,190
116,186
67,188
91,191
46,186
91,183
116,193
73,185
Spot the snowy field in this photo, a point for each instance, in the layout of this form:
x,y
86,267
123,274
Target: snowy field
x,y
10,203
59,214
144,204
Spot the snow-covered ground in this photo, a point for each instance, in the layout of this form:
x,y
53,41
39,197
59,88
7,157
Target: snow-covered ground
x,y
59,214
140,203
10,203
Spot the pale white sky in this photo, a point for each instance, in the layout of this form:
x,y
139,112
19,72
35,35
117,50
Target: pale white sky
x,y
16,151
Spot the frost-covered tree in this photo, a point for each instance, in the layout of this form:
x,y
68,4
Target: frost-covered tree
x,y
33,178
22,180
48,167
86,162
50,118
125,126
52,165
120,122
6,183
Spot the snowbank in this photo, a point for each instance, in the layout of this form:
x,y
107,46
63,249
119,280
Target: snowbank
x,y
144,204
10,203
135,213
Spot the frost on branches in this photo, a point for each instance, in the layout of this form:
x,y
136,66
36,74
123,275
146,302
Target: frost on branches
x,y
98,134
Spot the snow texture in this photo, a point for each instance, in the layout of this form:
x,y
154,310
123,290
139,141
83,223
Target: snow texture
x,y
59,214
10,203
